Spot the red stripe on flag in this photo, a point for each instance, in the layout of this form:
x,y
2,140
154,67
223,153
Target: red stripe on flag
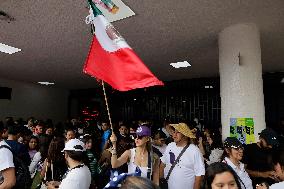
x,y
122,69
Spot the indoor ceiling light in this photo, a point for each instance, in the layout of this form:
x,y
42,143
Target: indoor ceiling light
x,y
8,49
208,87
282,80
45,83
183,64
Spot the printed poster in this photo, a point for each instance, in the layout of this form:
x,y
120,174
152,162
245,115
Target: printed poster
x,y
242,129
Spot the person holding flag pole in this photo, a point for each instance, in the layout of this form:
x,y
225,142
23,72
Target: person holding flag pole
x,y
112,60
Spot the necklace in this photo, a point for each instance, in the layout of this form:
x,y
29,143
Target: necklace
x,y
139,156
68,171
142,157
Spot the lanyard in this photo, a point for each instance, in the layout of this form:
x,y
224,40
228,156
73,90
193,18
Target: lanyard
x,y
76,167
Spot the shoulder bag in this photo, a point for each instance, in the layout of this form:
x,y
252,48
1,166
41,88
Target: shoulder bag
x,y
163,183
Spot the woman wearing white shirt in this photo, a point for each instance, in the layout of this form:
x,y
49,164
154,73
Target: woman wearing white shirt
x,y
7,170
233,153
137,157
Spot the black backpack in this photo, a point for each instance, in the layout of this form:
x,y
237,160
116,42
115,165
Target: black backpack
x,y
23,178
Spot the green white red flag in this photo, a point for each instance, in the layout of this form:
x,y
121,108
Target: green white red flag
x,y
112,60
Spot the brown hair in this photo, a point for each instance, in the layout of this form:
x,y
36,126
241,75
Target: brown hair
x,y
138,183
56,146
193,141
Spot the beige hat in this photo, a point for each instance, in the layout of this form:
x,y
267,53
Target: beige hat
x,y
184,129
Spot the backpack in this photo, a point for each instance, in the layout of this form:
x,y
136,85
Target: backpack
x,y
23,178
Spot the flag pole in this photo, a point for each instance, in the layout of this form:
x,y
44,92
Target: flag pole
x,y
96,10
103,84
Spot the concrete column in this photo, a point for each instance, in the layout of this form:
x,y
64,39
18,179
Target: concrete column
x,y
241,76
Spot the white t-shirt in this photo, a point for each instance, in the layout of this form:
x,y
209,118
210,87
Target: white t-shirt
x,y
279,185
78,178
162,149
191,164
6,159
132,166
33,166
241,173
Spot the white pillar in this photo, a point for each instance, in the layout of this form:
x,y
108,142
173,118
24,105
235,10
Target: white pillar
x,y
241,76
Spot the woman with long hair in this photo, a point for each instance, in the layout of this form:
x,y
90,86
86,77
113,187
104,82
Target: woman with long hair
x,y
37,163
140,157
220,175
54,165
232,155
214,148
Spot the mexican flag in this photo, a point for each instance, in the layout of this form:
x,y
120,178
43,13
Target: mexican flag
x,y
112,60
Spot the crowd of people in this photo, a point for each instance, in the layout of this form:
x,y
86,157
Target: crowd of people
x,y
83,154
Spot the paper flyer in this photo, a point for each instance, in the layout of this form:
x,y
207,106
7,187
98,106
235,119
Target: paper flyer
x,y
242,129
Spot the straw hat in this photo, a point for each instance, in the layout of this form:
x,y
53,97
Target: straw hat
x,y
183,129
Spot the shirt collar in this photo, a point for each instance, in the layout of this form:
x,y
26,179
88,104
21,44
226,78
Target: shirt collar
x,y
229,162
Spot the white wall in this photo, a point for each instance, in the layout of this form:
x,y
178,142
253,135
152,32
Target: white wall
x,y
29,99
241,84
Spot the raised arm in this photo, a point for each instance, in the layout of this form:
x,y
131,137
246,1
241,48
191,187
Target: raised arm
x,y
117,162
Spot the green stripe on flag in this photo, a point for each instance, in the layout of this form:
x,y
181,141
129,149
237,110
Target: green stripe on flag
x,y
96,11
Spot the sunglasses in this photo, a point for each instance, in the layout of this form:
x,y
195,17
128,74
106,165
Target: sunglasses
x,y
139,137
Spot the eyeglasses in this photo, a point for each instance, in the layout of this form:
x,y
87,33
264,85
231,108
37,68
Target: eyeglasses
x,y
238,148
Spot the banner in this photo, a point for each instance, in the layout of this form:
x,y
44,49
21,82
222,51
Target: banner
x,y
242,129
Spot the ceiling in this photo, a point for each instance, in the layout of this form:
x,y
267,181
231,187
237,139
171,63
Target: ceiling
x,y
55,39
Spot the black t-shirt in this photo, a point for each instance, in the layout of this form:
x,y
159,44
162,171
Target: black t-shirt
x,y
258,159
59,169
20,150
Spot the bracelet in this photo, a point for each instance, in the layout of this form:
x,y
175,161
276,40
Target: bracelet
x,y
113,152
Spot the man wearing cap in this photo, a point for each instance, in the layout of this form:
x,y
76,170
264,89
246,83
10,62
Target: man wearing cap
x,y
78,176
189,169
7,170
258,158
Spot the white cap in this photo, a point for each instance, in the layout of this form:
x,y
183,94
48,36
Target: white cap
x,y
74,145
